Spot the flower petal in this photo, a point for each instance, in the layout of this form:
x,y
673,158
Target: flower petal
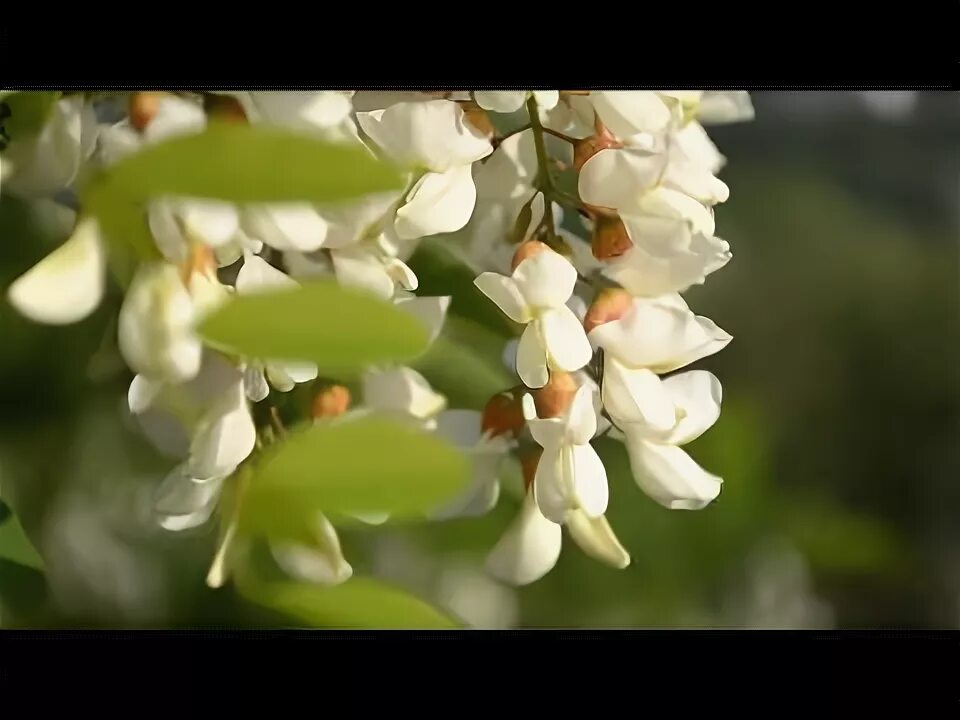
x,y
659,334
212,222
401,390
565,339
589,480
155,329
628,112
529,548
546,99
620,178
669,475
320,562
142,393
505,294
257,275
532,358
547,432
184,502
438,203
225,439
637,395
582,416
666,256
432,135
545,279
719,107
254,383
697,394
553,482
501,101
286,226
67,285
431,311
596,538
362,270
671,203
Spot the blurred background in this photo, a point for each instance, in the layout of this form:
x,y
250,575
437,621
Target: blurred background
x,y
839,440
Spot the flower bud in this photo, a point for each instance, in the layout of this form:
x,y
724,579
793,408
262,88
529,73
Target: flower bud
x,y
503,414
224,108
586,148
610,304
529,459
553,399
143,108
478,118
527,250
330,402
610,238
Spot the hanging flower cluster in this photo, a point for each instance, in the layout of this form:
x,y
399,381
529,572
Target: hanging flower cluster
x,y
601,324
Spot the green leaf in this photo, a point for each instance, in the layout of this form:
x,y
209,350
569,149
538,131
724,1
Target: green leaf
x,y
360,603
466,349
29,110
253,163
336,327
14,544
350,466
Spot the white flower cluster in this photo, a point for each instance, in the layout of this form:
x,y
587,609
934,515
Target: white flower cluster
x,y
647,186
604,325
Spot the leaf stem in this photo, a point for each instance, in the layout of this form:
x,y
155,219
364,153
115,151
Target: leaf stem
x,y
563,136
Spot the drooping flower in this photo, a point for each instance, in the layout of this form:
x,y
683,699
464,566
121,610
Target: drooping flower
x,y
536,295
570,475
434,140
642,339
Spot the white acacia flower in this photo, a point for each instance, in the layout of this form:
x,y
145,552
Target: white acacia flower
x,y
508,101
257,275
206,422
51,160
183,502
720,107
320,561
573,115
661,468
178,224
631,112
655,416
372,264
314,110
156,325
303,228
403,394
67,285
463,429
536,295
174,116
531,545
638,182
655,336
667,255
434,140
570,475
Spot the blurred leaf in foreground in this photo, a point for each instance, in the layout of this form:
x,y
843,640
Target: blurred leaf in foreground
x,y
351,466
